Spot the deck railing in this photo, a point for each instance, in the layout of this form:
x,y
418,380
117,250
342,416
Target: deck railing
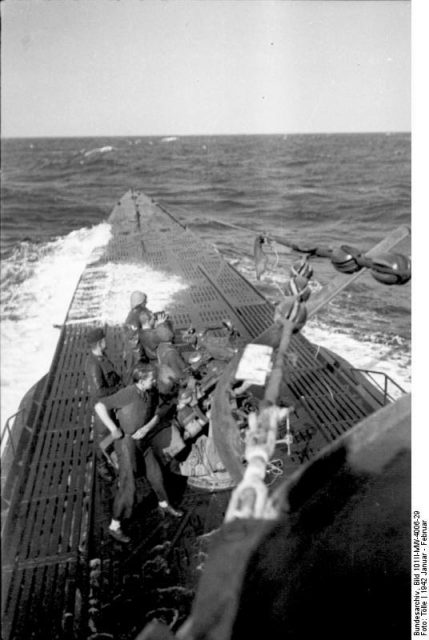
x,y
384,383
6,437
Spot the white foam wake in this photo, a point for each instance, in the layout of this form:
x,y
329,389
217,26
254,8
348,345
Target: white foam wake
x,y
104,292
364,354
40,295
33,303
159,287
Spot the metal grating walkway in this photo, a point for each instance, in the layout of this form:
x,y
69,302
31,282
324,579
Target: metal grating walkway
x,y
48,496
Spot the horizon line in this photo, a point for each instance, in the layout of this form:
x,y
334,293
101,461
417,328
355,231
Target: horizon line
x,y
208,135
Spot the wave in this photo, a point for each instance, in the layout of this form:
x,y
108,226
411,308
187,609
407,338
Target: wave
x,y
37,285
33,302
321,189
298,163
367,312
105,149
365,351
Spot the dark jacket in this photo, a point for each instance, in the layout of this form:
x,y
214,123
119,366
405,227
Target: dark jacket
x,y
101,376
134,408
168,355
171,367
149,340
133,350
132,326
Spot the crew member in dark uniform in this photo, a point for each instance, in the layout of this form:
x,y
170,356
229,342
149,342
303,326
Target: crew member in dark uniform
x,y
133,352
102,381
141,332
172,369
138,414
148,335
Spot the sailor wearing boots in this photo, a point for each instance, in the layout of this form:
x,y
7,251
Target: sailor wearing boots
x,y
136,410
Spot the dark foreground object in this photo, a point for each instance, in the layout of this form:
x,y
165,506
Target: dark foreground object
x,y
335,565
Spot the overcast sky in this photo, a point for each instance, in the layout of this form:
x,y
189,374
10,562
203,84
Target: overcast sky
x,y
160,67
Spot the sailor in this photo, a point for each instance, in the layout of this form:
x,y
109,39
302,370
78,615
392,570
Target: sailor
x,y
138,302
171,366
138,415
102,381
133,352
148,335
132,325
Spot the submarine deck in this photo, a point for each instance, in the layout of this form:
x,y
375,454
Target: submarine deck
x,y
63,577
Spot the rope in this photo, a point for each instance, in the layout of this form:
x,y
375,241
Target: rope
x,y
277,258
390,268
276,284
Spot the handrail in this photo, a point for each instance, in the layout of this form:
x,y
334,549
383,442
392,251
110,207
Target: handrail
x,y
7,429
387,379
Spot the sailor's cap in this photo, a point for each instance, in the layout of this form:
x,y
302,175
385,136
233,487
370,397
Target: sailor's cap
x,y
137,297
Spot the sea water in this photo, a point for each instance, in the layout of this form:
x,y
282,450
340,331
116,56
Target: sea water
x,y
322,189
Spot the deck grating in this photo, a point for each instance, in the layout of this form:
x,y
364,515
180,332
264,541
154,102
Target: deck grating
x,y
53,522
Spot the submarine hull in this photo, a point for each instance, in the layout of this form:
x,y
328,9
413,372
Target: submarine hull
x,y
63,576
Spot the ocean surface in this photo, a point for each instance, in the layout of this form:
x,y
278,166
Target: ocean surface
x,y
322,189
